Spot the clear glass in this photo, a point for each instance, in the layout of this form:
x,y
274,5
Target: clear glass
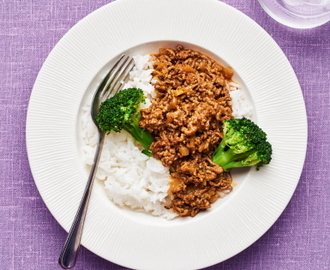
x,y
298,13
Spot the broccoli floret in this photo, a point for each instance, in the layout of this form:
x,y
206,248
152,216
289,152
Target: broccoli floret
x,y
244,144
122,112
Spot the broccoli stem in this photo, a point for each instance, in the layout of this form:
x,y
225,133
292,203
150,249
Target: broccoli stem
x,y
233,164
227,158
141,136
222,157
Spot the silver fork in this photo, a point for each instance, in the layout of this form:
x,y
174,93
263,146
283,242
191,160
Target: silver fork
x,y
110,85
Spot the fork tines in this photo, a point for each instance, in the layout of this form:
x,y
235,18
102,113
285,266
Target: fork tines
x,y
115,79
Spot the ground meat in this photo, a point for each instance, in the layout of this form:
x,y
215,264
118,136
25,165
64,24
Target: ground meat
x,y
192,100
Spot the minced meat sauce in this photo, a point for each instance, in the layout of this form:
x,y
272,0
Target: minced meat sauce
x,y
192,100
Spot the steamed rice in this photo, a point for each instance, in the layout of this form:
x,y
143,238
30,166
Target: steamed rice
x,y
240,106
132,179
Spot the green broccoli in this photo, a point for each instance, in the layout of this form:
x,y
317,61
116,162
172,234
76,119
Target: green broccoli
x,y
122,112
244,144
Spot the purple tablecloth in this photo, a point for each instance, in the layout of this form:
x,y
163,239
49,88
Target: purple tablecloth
x,y
30,238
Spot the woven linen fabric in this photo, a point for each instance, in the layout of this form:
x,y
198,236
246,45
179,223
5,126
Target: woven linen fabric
x,y
30,238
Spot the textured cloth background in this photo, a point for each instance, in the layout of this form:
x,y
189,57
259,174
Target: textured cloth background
x,y
30,238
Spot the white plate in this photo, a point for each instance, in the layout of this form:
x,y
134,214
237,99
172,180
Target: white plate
x,y
75,67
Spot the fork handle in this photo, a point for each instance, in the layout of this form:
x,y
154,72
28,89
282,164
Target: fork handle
x,y
69,253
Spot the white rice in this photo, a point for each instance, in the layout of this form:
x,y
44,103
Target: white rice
x,y
240,105
131,179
